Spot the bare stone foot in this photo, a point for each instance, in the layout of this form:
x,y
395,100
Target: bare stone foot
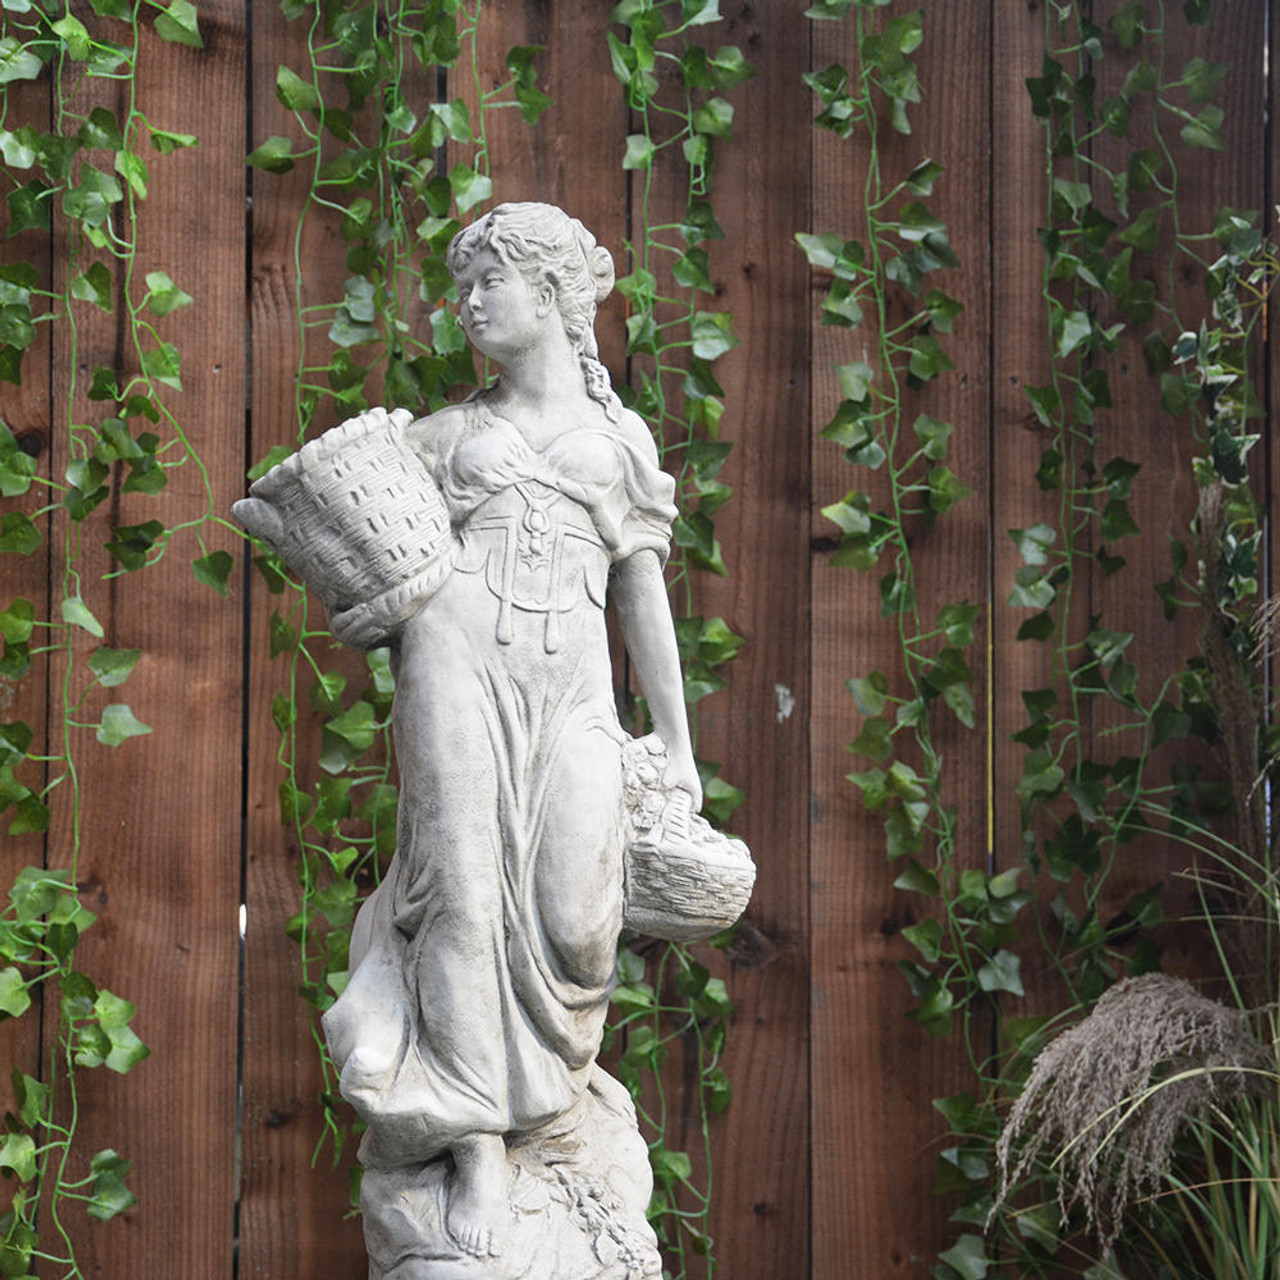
x,y
478,1195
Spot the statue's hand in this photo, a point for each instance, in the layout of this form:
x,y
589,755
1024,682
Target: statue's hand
x,y
358,626
683,773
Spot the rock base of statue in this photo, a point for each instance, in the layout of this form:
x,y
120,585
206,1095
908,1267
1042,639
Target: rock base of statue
x,y
577,1197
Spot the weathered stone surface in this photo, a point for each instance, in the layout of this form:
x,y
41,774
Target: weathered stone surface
x,y
480,543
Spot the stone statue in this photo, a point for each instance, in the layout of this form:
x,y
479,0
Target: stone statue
x,y
480,543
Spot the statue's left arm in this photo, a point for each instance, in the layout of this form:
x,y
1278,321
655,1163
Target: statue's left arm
x,y
640,596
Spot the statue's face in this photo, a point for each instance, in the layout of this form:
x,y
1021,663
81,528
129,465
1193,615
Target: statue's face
x,y
499,311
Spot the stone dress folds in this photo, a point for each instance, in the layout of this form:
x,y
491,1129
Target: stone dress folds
x,y
480,967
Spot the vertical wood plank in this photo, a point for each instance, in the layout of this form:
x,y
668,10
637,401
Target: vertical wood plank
x,y
571,156
1164,493
26,409
873,1071
294,1212
759,726
160,855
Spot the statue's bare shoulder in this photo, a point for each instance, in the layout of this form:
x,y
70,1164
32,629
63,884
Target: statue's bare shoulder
x,y
635,431
437,433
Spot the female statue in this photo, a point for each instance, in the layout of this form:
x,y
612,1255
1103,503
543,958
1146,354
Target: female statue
x,y
480,967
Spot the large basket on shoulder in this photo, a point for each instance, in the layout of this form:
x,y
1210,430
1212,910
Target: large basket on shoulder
x,y
684,880
358,517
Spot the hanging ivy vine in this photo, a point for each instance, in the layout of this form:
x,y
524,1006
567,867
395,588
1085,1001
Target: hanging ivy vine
x,y
674,80
1117,121
75,188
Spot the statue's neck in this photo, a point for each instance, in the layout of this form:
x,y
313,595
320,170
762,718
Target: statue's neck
x,y
540,376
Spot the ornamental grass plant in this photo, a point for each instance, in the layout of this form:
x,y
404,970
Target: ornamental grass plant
x,y
1157,1116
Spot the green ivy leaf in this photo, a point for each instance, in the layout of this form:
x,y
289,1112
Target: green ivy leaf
x,y
163,295
945,490
712,334
956,622
874,740
167,142
179,24
917,879
94,285
1117,522
1002,973
855,380
77,614
1127,24
274,155
119,724
1202,78
163,364
1034,544
699,13
728,67
1144,231
29,207
16,329
1031,590
16,149
841,306
31,815
639,153
926,937
921,179
928,359
1205,130
282,636
17,621
113,666
213,570
17,533
469,187
719,798
17,61
295,93
90,202
110,1195
15,999
32,1098
869,693
101,131
1038,628
968,1257
714,118
700,223
133,542
133,169
18,1153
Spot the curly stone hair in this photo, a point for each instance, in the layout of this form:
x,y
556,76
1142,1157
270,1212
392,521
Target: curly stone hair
x,y
544,243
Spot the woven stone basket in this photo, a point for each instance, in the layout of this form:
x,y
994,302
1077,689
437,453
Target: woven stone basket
x,y
358,517
684,880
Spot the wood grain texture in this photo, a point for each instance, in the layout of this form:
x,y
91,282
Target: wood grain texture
x,y
293,1213
1165,493
758,727
874,1072
159,860
824,1161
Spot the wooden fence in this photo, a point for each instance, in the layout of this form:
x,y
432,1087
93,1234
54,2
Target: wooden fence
x,y
824,1162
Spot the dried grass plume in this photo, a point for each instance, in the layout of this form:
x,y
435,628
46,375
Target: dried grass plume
x,y
1105,1100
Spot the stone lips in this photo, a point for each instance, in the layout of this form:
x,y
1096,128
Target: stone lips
x,y
358,517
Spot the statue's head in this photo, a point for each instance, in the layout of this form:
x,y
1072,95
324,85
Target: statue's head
x,y
544,244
